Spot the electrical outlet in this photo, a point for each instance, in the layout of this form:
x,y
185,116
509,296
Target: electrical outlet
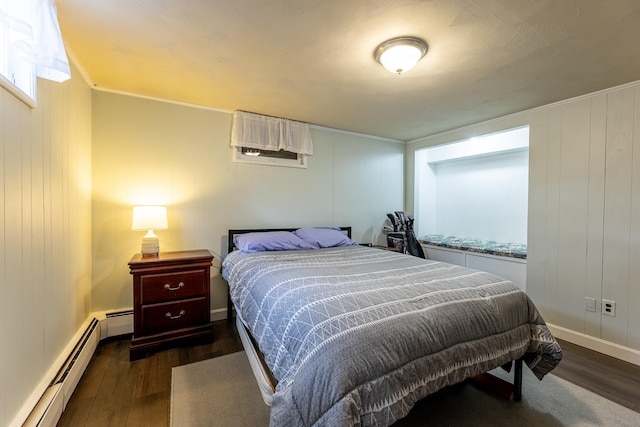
x,y
608,307
589,304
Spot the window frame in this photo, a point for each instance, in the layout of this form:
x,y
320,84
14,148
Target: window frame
x,y
13,89
17,72
299,162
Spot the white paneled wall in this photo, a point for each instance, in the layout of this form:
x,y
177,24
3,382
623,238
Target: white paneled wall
x,y
620,196
147,151
584,209
482,198
45,220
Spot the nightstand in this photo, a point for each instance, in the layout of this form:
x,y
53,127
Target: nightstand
x,y
171,300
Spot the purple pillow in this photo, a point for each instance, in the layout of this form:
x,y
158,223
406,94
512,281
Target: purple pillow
x,y
270,241
324,237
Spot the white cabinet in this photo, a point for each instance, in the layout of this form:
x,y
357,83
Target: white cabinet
x,y
514,269
438,253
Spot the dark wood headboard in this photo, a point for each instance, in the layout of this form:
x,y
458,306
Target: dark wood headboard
x,y
235,232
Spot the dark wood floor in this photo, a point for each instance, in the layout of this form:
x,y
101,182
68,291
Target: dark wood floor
x,y
116,392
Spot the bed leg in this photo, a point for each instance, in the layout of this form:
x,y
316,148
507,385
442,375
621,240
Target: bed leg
x,y
229,306
517,380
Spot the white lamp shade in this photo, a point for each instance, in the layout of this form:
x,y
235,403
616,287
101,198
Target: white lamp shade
x,y
149,218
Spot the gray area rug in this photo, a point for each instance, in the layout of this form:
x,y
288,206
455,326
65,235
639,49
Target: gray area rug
x,y
217,392
223,392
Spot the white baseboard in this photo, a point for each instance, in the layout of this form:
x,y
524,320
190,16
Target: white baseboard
x,y
601,346
119,323
47,402
49,408
49,399
218,314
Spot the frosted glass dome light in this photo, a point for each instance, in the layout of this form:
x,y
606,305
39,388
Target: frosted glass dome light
x,y
400,54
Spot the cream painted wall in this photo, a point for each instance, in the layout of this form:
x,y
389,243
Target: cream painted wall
x,y
584,208
147,151
45,220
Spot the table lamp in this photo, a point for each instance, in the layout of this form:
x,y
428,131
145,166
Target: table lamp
x,y
149,218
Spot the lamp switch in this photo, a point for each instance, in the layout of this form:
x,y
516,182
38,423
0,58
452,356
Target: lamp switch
x,y
589,304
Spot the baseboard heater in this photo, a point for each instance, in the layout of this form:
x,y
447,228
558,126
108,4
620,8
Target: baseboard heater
x,y
49,408
76,354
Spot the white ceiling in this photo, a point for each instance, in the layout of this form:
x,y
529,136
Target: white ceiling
x,y
312,60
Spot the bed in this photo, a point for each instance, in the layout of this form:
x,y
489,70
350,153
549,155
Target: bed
x,y
342,334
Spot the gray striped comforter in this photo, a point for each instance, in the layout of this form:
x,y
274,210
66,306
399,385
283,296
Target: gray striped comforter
x,y
356,336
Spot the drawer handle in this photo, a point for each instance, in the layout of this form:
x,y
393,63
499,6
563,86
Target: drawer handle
x,y
169,288
168,315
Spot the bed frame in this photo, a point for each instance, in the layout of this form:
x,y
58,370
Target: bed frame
x,y
267,382
265,379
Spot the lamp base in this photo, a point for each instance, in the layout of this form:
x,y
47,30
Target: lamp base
x,y
150,246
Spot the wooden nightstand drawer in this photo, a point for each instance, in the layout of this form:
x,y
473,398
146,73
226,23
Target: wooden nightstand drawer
x,y
171,300
163,317
172,286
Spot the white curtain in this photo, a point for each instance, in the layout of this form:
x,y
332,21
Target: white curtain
x,y
270,133
30,29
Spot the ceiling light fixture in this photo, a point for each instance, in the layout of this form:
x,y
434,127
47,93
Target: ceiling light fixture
x,y
400,54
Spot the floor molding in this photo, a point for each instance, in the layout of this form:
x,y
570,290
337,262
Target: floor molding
x,y
601,346
218,314
52,395
118,323
49,399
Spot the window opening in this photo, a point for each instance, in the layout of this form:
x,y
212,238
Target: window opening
x,y
30,46
475,188
280,154
267,140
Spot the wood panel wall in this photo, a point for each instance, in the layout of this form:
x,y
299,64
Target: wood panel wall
x,y
584,208
45,222
147,151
